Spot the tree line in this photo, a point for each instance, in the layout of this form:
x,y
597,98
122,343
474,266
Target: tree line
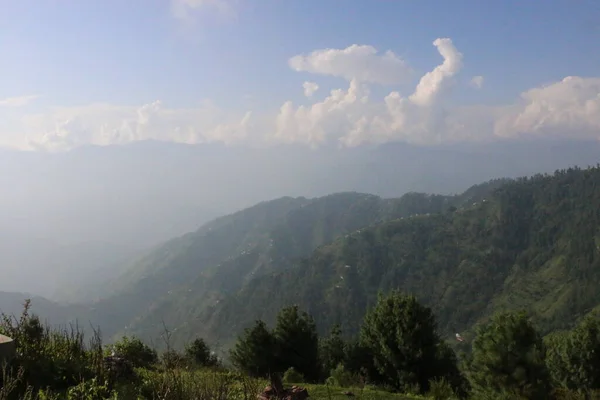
x,y
399,348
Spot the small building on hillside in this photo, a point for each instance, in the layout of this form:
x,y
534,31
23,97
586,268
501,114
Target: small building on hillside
x,y
7,349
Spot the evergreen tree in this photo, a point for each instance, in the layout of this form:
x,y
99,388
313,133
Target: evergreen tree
x,y
254,352
297,342
199,353
573,357
332,350
401,335
509,358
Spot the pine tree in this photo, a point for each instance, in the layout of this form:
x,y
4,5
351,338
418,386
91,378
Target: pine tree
x,y
509,358
297,342
332,350
401,334
254,352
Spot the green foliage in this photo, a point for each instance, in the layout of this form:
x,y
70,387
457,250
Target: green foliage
x,y
291,376
46,357
340,376
293,343
509,357
91,390
254,353
440,389
332,350
136,352
297,342
184,280
401,334
573,357
200,354
531,244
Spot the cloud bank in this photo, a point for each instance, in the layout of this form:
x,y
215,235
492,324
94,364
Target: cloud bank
x,y
346,116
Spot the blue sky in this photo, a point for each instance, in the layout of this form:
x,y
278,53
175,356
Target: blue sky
x,y
132,52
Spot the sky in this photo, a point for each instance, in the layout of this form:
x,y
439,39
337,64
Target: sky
x,y
312,72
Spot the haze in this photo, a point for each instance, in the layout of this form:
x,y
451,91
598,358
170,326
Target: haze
x,y
125,124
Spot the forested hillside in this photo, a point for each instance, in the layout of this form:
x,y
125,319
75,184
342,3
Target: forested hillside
x,y
531,242
534,243
182,281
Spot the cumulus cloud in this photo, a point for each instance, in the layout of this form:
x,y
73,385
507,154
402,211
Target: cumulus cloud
x,y
477,82
310,88
351,118
569,107
433,83
348,117
19,101
356,62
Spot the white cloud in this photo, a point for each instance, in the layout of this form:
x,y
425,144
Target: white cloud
x,y
103,124
19,101
359,62
569,107
477,82
310,88
433,83
349,117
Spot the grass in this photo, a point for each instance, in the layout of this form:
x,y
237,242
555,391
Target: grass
x,y
325,392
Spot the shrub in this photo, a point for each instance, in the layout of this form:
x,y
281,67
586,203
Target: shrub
x,y
440,389
136,352
293,376
341,377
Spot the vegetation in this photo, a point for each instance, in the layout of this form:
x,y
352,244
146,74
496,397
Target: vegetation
x,y
530,244
354,291
403,358
188,280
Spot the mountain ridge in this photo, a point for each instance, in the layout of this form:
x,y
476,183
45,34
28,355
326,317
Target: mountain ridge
x,y
294,235
527,242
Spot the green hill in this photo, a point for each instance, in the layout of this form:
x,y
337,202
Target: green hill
x,y
528,243
534,244
184,280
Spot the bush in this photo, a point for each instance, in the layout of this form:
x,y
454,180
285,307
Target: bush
x,y
440,389
91,390
293,376
136,352
56,358
341,377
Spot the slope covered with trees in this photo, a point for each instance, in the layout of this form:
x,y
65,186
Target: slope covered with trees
x,y
182,281
532,243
